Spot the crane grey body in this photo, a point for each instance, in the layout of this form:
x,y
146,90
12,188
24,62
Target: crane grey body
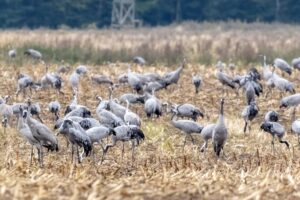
x,y
33,54
275,129
131,118
220,132
126,133
271,116
187,110
153,107
249,113
186,126
206,134
54,107
290,101
296,129
77,137
283,65
197,80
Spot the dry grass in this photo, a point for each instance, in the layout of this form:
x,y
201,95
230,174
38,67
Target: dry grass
x,y
205,43
162,170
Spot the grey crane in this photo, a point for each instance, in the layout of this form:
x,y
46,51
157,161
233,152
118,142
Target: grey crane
x,y
77,137
135,81
6,112
271,116
197,80
132,98
290,101
187,110
109,119
296,63
267,73
88,123
62,69
296,129
33,54
26,133
79,111
123,79
281,84
52,80
249,113
75,77
186,126
139,60
126,133
34,109
115,107
101,79
250,93
97,134
131,118
25,81
12,53
42,134
224,79
153,106
283,65
173,77
54,107
220,132
206,134
275,129
103,104
60,121
155,85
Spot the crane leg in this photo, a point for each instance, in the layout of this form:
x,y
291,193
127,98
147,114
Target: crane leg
x,y
123,150
72,153
78,156
132,151
204,146
245,127
31,155
193,141
184,142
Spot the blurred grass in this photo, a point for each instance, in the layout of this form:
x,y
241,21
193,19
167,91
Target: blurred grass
x,y
204,43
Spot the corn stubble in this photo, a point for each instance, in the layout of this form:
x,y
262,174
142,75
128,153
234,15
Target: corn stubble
x,y
161,170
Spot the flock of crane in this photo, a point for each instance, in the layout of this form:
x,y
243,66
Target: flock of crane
x,y
119,123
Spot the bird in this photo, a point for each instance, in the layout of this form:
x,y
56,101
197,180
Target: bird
x,y
34,109
290,101
275,129
271,116
123,78
296,129
220,132
43,134
12,53
75,77
139,60
126,133
155,85
53,80
153,106
6,112
132,98
77,137
88,123
97,134
109,119
249,113
173,77
197,80
224,79
250,93
115,107
187,110
25,81
131,118
101,79
296,63
206,134
283,65
186,126
54,107
33,54
26,133
267,73
62,69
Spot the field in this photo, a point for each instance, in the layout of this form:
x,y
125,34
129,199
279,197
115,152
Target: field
x,y
162,169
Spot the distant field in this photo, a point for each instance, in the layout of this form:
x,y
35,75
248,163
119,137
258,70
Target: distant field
x,y
162,170
203,43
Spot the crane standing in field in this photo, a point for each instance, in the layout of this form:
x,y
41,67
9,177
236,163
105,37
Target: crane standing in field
x,y
219,136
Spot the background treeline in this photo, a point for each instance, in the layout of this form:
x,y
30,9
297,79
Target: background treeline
x,y
84,13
